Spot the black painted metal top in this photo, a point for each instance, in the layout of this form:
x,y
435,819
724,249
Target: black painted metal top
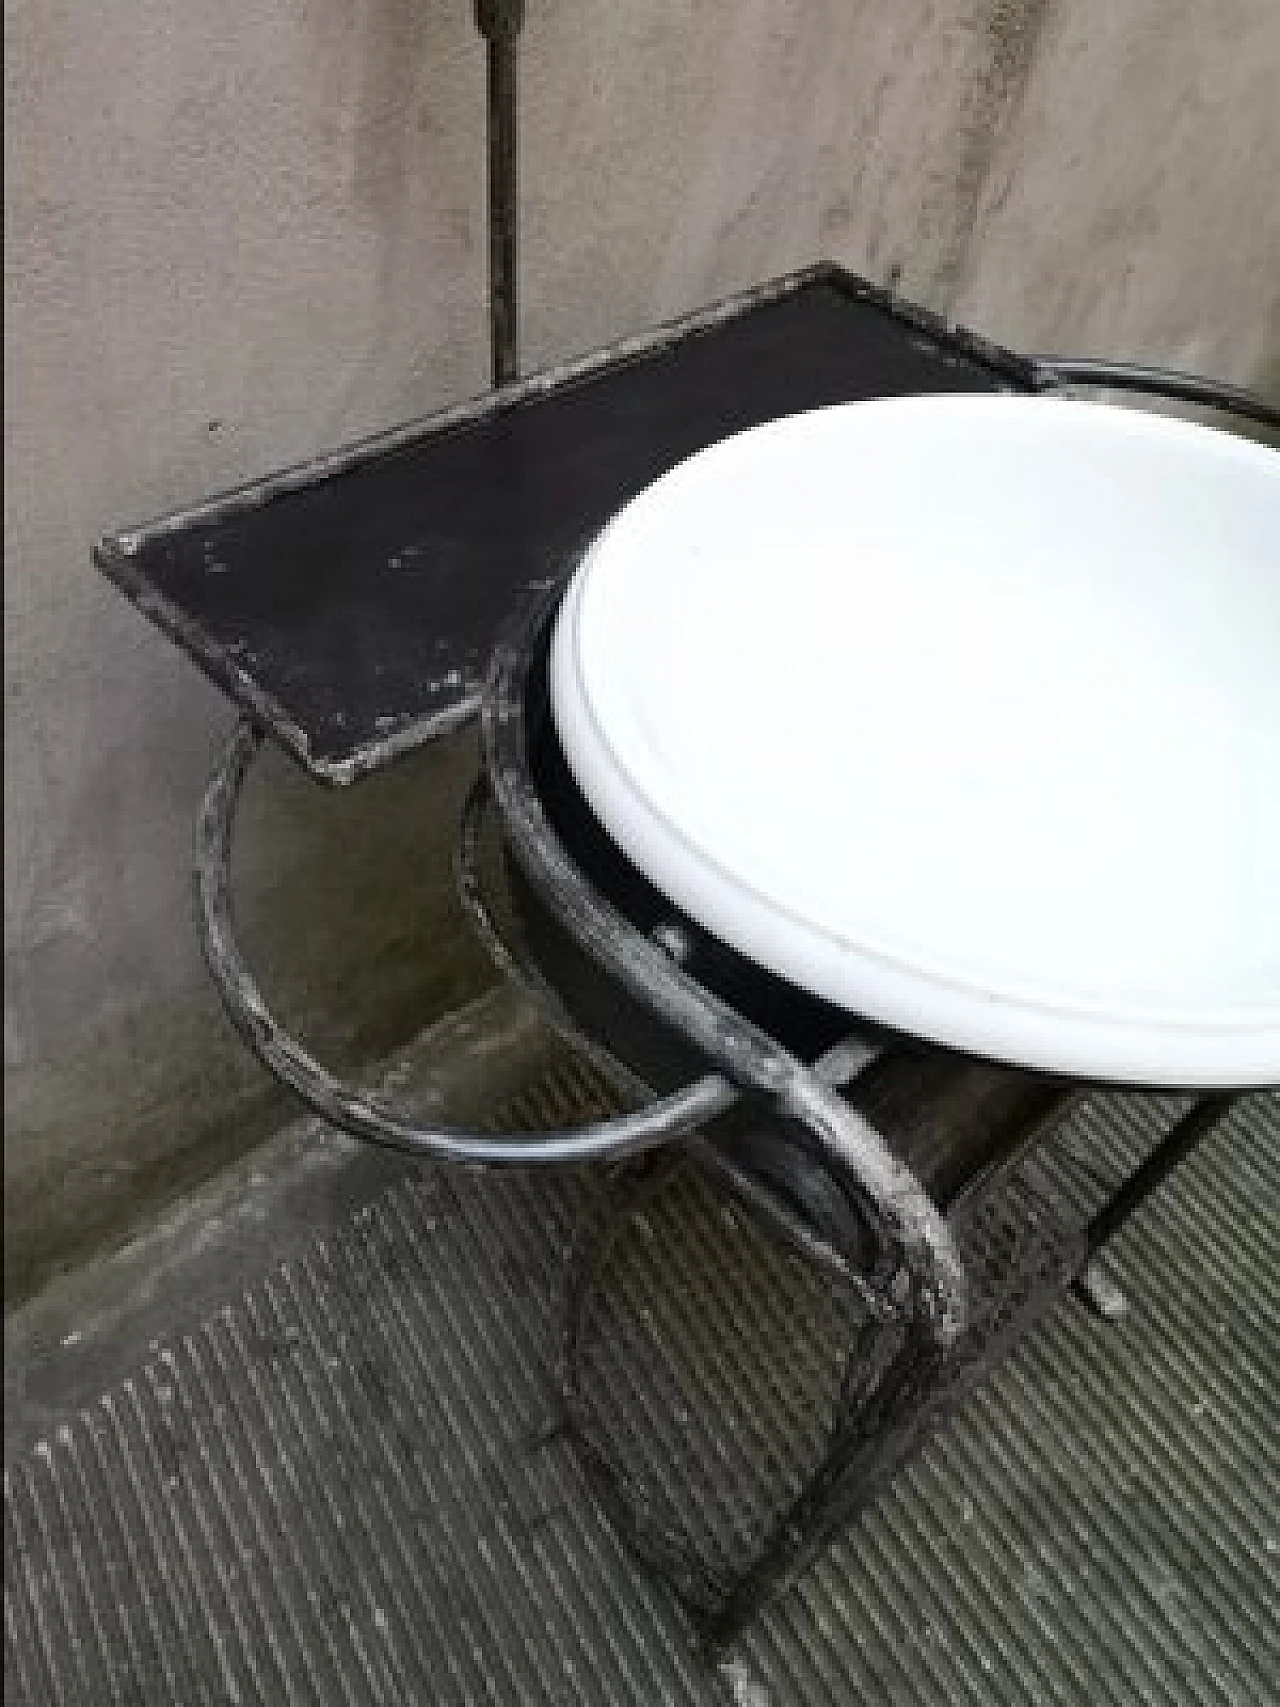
x,y
350,605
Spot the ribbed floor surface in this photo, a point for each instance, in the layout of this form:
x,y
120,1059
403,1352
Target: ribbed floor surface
x,y
342,1487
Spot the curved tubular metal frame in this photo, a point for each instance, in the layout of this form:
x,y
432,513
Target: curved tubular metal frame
x,y
920,1267
916,1289
918,1271
837,1066
361,1113
1159,382
521,970
355,1110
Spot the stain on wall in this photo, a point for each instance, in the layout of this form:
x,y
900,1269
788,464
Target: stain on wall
x,y
238,235
1008,33
1126,209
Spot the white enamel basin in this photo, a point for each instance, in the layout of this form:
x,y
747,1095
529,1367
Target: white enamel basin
x,y
963,713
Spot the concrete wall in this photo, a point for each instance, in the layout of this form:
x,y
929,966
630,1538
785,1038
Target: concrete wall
x,y
235,235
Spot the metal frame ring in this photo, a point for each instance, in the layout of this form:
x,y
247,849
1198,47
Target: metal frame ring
x,y
1061,371
919,1273
355,1110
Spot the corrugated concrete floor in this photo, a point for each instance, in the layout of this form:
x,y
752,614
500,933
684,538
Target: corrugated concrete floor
x,y
298,1448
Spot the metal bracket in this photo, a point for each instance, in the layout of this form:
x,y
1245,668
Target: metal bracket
x,y
500,23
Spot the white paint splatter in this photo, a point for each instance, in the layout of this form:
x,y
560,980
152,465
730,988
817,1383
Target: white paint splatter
x,y
746,1691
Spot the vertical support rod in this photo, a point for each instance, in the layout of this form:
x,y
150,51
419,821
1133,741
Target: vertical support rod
x,y
1199,1120
499,22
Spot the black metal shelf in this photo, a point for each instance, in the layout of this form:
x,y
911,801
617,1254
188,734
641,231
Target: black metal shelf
x,y
350,605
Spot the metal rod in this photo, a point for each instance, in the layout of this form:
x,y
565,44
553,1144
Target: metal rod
x,y
355,1110
1160,382
499,22
1175,1147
